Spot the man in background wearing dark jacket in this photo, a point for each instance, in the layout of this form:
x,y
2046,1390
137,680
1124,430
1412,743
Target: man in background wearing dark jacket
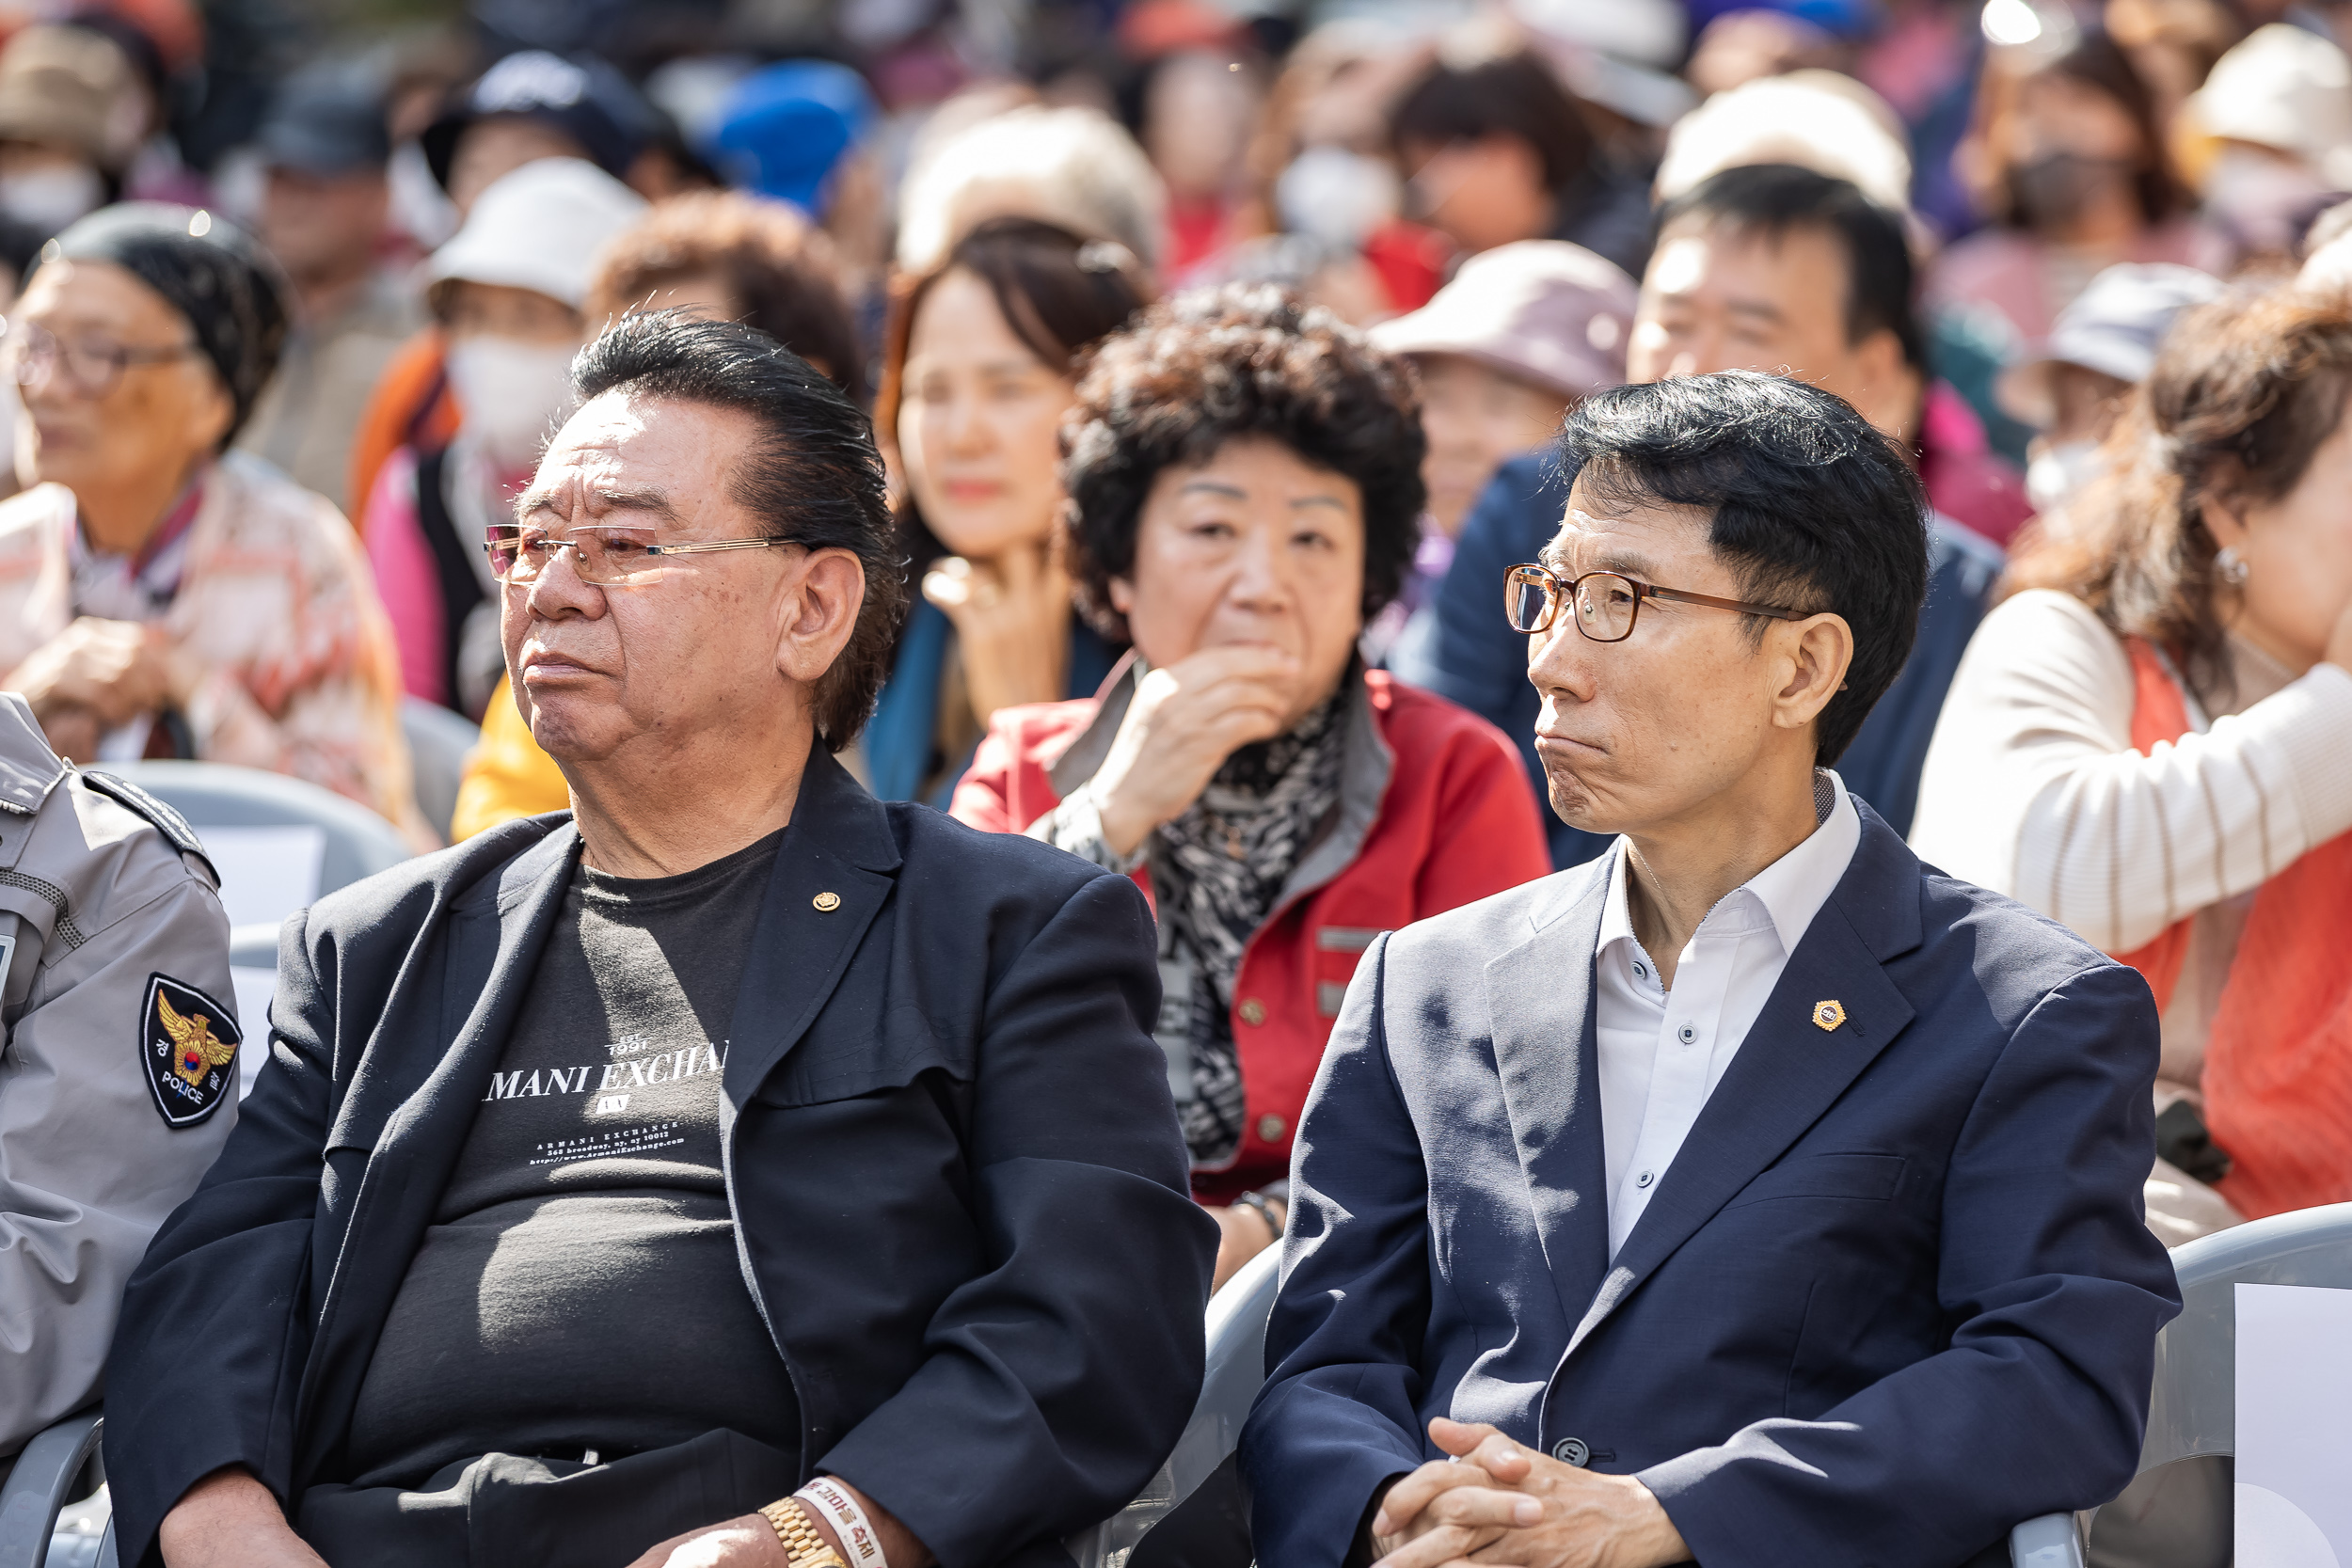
x,y
1737,282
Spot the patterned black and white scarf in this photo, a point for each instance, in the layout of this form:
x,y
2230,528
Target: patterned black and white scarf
x,y
1217,870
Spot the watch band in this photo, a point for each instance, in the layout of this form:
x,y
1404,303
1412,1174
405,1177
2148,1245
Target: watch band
x,y
802,1546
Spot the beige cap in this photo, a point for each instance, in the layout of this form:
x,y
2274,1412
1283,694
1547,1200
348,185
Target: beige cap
x,y
70,88
539,228
1542,310
2285,88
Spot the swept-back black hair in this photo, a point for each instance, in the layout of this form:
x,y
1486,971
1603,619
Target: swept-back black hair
x,y
1810,505
814,477
1773,198
1212,366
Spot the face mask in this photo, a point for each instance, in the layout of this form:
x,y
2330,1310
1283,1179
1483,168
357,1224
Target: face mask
x,y
511,393
2261,201
50,198
2056,473
2052,188
1336,196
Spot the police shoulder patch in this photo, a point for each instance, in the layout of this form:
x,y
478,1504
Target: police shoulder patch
x,y
163,818
188,1050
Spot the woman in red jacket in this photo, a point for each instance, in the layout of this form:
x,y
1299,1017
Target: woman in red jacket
x,y
1245,490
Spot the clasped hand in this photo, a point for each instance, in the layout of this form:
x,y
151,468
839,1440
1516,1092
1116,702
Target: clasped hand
x,y
1497,1501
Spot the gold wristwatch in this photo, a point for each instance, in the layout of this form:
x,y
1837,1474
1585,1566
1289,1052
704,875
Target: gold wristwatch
x,y
802,1546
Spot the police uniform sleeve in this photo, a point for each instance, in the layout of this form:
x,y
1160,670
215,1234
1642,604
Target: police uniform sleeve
x,y
94,1153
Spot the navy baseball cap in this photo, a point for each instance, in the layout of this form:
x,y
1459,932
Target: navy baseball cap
x,y
2114,326
583,97
326,122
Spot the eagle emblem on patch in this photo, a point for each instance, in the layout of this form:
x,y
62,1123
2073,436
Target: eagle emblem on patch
x,y
189,1045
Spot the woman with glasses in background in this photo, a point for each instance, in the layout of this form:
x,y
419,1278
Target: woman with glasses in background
x,y
1245,490
159,596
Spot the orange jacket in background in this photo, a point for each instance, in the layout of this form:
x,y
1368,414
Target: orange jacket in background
x,y
412,406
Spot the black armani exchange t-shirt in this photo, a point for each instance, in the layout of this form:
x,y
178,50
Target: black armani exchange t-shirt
x,y
580,1288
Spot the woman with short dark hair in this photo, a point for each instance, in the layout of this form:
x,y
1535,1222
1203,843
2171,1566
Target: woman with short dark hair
x,y
1245,491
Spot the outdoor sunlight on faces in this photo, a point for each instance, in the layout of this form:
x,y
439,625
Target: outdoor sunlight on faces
x,y
1637,732
1254,547
977,423
708,642
1721,299
2298,555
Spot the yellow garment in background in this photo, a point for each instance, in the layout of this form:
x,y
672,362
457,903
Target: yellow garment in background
x,y
507,776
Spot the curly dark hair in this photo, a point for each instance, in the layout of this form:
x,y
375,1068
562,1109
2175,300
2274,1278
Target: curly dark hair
x,y
1200,370
814,476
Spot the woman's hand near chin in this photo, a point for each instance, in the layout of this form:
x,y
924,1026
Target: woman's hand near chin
x,y
1011,617
1186,719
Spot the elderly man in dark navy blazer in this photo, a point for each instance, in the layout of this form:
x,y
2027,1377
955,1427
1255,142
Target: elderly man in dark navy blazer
x,y
733,1172
1755,1195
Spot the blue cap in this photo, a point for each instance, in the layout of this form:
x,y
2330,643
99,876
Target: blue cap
x,y
784,129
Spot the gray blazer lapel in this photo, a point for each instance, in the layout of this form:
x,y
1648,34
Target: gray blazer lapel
x,y
491,948
833,870
1788,1070
1539,1002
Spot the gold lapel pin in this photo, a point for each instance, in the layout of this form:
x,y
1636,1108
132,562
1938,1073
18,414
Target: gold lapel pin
x,y
1829,1015
828,902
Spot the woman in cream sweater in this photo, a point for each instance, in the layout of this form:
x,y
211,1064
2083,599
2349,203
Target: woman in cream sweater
x,y
2151,740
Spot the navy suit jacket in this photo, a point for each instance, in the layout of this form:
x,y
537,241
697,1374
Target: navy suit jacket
x,y
960,1195
1468,654
1893,1295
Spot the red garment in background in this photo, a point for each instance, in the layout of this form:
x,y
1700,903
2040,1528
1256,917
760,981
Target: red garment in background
x,y
1967,481
1457,823
1410,259
2278,1078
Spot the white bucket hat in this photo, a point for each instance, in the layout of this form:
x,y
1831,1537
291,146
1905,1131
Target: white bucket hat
x,y
539,228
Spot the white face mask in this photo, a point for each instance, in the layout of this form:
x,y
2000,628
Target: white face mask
x,y
2054,473
511,393
2259,200
52,197
1337,196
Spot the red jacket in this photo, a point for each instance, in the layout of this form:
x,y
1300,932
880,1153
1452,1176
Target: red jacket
x,y
1456,822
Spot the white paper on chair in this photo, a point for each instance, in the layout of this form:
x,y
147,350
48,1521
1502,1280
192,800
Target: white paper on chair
x,y
254,987
265,873
2294,1427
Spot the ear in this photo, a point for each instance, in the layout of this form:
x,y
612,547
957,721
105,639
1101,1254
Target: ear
x,y
2224,519
1894,389
212,412
1811,659
1123,596
817,606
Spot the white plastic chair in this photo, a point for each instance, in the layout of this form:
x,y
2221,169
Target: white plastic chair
x,y
2178,1513
439,742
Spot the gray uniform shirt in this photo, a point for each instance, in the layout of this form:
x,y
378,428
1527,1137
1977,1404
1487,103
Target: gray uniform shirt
x,y
118,1083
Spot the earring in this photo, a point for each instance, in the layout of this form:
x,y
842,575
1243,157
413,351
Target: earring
x,y
2230,566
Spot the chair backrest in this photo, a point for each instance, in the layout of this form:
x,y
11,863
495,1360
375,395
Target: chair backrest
x,y
1236,1371
357,843
439,742
2177,1510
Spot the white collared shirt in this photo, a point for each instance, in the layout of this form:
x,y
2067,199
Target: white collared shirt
x,y
1662,1053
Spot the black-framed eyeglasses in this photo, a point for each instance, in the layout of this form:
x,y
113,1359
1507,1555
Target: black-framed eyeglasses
x,y
606,557
30,354
1607,603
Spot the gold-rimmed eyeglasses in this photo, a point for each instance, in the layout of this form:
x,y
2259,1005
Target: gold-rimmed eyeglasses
x,y
606,557
1607,603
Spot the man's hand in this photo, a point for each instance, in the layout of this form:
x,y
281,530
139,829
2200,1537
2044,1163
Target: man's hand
x,y
1012,625
230,1520
1497,1502
1186,719
750,1542
117,669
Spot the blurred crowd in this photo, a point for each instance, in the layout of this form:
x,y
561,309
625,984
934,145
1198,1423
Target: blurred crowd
x,y
290,325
